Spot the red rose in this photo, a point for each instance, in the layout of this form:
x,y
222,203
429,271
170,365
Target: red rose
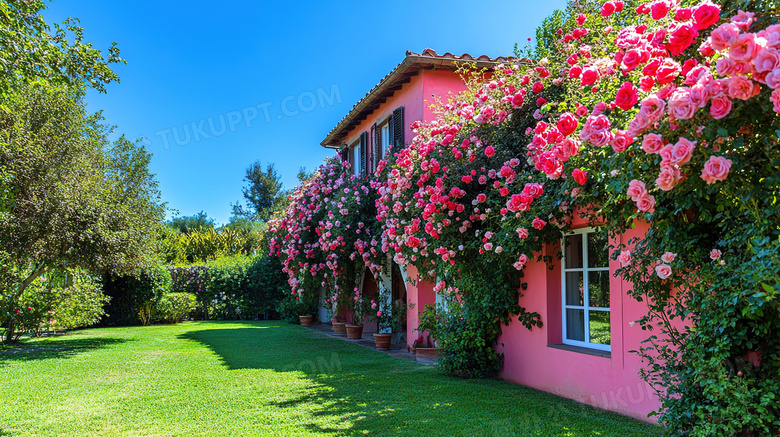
x,y
706,15
627,96
683,35
489,151
581,19
571,60
643,9
539,223
575,71
589,76
659,10
619,6
652,67
646,83
607,9
667,71
538,87
567,124
580,176
683,14
631,59
541,101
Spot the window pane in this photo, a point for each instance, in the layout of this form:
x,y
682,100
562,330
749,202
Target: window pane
x,y
598,289
575,324
574,288
598,251
574,251
599,327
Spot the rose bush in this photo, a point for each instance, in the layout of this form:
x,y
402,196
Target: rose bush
x,y
665,112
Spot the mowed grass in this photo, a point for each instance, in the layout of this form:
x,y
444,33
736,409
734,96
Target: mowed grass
x,y
263,378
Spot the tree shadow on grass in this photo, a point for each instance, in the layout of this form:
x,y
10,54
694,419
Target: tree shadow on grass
x,y
55,347
351,391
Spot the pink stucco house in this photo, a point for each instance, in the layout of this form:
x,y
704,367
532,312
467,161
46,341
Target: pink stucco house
x,y
582,351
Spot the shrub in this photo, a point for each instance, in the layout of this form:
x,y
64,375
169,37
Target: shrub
x,y
133,296
174,307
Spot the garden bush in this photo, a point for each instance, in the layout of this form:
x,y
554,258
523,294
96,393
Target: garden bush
x,y
174,307
662,112
133,296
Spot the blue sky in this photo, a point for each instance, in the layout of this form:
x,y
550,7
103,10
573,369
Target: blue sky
x,y
215,86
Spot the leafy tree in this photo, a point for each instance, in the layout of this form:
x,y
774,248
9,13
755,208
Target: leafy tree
x,y
187,224
79,201
264,192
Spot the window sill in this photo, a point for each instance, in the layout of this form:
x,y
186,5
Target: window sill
x,y
582,350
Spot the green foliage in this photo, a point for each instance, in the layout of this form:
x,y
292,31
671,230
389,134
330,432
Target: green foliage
x,y
263,193
197,222
33,53
133,296
80,201
174,307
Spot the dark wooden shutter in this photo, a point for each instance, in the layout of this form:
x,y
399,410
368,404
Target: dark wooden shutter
x,y
363,152
398,128
375,144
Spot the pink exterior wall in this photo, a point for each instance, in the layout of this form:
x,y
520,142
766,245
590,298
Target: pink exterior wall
x,y
416,98
444,84
613,382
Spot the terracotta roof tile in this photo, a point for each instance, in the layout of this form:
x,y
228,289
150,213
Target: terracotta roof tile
x,y
401,74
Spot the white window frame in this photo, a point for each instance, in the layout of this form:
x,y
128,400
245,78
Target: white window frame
x,y
355,153
586,295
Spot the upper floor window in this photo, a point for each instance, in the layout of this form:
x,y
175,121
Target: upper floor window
x,y
585,287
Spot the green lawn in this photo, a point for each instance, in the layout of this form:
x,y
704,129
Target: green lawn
x,y
263,378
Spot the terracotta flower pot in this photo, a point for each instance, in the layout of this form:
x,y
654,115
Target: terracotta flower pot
x,y
383,341
427,352
339,328
354,331
306,320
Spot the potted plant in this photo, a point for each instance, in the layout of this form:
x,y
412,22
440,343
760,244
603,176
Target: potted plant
x,y
381,313
360,307
429,322
331,304
307,306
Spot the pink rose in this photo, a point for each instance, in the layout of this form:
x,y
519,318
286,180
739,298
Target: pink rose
x,y
538,223
715,254
681,107
652,108
720,107
668,177
775,99
379,313
581,111
668,257
663,271
682,151
489,151
767,60
724,36
725,67
522,233
652,143
716,169
743,19
740,87
636,189
705,15
624,258
620,141
744,48
627,96
646,203
773,79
